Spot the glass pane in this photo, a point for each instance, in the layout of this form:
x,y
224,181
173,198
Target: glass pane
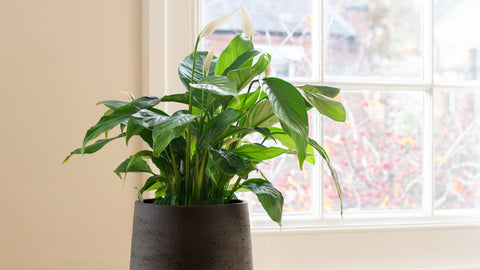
x,y
457,150
281,30
377,151
374,38
457,44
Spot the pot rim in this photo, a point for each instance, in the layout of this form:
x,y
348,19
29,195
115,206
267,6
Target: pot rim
x,y
233,202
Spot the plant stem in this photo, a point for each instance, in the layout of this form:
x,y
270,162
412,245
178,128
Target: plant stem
x,y
200,174
175,171
189,130
235,186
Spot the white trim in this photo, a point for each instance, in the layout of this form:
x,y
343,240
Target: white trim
x,y
366,223
160,33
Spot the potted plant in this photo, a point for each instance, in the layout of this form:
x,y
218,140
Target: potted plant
x,y
204,154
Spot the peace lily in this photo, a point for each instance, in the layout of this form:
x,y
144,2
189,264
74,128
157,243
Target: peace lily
x,y
201,155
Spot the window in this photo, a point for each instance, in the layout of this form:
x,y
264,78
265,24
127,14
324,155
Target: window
x,y
410,148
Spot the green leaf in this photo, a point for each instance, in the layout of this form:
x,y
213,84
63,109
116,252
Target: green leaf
x,y
152,183
218,85
233,130
328,91
145,102
90,149
244,59
183,98
133,164
119,116
167,129
244,101
180,98
270,198
243,76
113,104
107,122
257,153
186,67
261,115
333,172
326,106
279,135
143,119
217,126
228,162
289,106
239,45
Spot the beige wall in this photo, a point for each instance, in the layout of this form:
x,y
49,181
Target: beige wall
x,y
57,59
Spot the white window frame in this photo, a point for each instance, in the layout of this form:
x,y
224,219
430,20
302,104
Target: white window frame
x,y
159,77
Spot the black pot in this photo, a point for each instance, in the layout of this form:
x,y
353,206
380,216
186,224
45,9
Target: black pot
x,y
209,237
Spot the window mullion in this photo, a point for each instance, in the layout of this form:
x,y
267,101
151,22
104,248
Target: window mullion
x,y
317,72
428,166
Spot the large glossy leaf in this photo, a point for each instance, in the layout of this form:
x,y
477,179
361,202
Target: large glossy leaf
x,y
279,135
333,172
119,116
289,106
133,164
270,198
234,130
153,182
145,102
218,85
228,162
217,126
94,147
180,98
257,153
143,119
326,106
239,45
107,122
243,76
261,115
167,129
183,98
244,60
186,67
244,101
300,143
113,104
328,91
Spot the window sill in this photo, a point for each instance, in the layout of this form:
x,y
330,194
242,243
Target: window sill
x,y
361,222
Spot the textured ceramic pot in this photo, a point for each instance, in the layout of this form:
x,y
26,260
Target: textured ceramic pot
x,y
209,237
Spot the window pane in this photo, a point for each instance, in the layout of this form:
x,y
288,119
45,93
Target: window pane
x,y
374,38
378,152
457,43
457,150
281,30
